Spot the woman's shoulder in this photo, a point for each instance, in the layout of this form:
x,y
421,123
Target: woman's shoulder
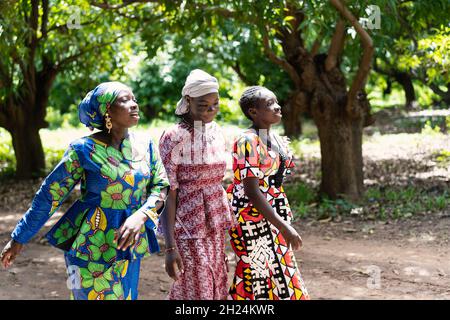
x,y
247,135
82,143
175,132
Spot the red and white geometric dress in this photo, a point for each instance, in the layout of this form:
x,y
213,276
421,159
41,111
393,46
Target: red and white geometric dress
x,y
266,267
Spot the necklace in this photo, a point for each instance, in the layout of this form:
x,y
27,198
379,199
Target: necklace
x,y
279,176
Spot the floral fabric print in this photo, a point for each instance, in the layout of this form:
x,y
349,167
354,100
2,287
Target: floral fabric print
x,y
114,185
95,281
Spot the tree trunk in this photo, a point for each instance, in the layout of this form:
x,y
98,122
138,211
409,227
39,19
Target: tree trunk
x,y
26,118
342,162
410,95
28,149
292,116
340,134
321,89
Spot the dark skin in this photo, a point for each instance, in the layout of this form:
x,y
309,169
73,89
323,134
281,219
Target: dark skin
x,y
264,114
202,109
124,113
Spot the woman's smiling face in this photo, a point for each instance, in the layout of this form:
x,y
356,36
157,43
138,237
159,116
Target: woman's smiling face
x,y
124,111
267,110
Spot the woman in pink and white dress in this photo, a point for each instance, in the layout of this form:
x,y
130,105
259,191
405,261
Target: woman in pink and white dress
x,y
197,213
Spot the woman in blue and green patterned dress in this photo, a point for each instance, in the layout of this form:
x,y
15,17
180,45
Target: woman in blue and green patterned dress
x,y
123,184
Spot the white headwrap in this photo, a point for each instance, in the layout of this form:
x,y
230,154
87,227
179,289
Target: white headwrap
x,y
198,83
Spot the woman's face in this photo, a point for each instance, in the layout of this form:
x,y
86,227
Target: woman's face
x,y
124,112
267,109
204,108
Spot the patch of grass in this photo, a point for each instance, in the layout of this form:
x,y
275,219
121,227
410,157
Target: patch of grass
x,y
378,203
443,157
7,158
300,196
305,146
329,208
432,127
403,203
304,202
52,157
300,192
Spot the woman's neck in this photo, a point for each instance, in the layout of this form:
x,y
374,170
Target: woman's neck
x,y
115,137
191,122
261,126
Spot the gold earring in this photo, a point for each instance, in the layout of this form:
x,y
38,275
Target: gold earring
x,y
108,122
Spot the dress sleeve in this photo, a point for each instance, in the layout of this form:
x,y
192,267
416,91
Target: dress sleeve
x,y
166,148
247,158
52,193
158,181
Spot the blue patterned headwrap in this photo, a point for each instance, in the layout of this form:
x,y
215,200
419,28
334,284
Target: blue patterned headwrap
x,y
92,109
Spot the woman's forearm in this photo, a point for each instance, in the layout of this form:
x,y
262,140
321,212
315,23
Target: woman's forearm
x,y
168,218
163,195
259,201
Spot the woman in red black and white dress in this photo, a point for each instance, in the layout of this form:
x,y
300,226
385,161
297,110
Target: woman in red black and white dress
x,y
263,240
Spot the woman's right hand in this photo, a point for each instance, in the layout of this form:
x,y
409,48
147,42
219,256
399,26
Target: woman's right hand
x,y
291,236
173,260
10,252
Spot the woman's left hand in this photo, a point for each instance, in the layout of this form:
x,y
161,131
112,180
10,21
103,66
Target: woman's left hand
x,y
128,233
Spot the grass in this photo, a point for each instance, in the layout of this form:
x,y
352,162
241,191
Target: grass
x,y
378,203
443,158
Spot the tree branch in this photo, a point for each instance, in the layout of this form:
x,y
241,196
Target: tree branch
x,y
380,70
5,116
286,66
220,11
360,79
34,19
336,46
5,76
44,22
126,3
63,63
17,60
3,122
63,27
316,46
237,68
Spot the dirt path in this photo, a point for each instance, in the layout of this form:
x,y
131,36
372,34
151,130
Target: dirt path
x,y
351,259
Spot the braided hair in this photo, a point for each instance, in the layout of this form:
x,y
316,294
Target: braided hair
x,y
249,99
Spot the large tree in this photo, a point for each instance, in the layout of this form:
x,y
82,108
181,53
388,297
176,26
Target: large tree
x,y
297,39
306,40
39,40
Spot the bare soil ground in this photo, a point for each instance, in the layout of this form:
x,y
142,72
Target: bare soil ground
x,y
352,259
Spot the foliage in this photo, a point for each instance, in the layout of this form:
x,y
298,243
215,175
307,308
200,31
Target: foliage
x,y
7,158
159,81
81,43
443,158
414,39
379,203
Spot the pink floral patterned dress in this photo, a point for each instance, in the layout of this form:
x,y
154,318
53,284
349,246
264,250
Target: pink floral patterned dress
x,y
195,165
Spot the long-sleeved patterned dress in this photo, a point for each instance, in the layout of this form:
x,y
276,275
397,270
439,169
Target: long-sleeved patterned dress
x,y
266,267
195,165
114,185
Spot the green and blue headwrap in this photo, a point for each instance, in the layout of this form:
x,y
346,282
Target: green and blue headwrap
x,y
92,109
